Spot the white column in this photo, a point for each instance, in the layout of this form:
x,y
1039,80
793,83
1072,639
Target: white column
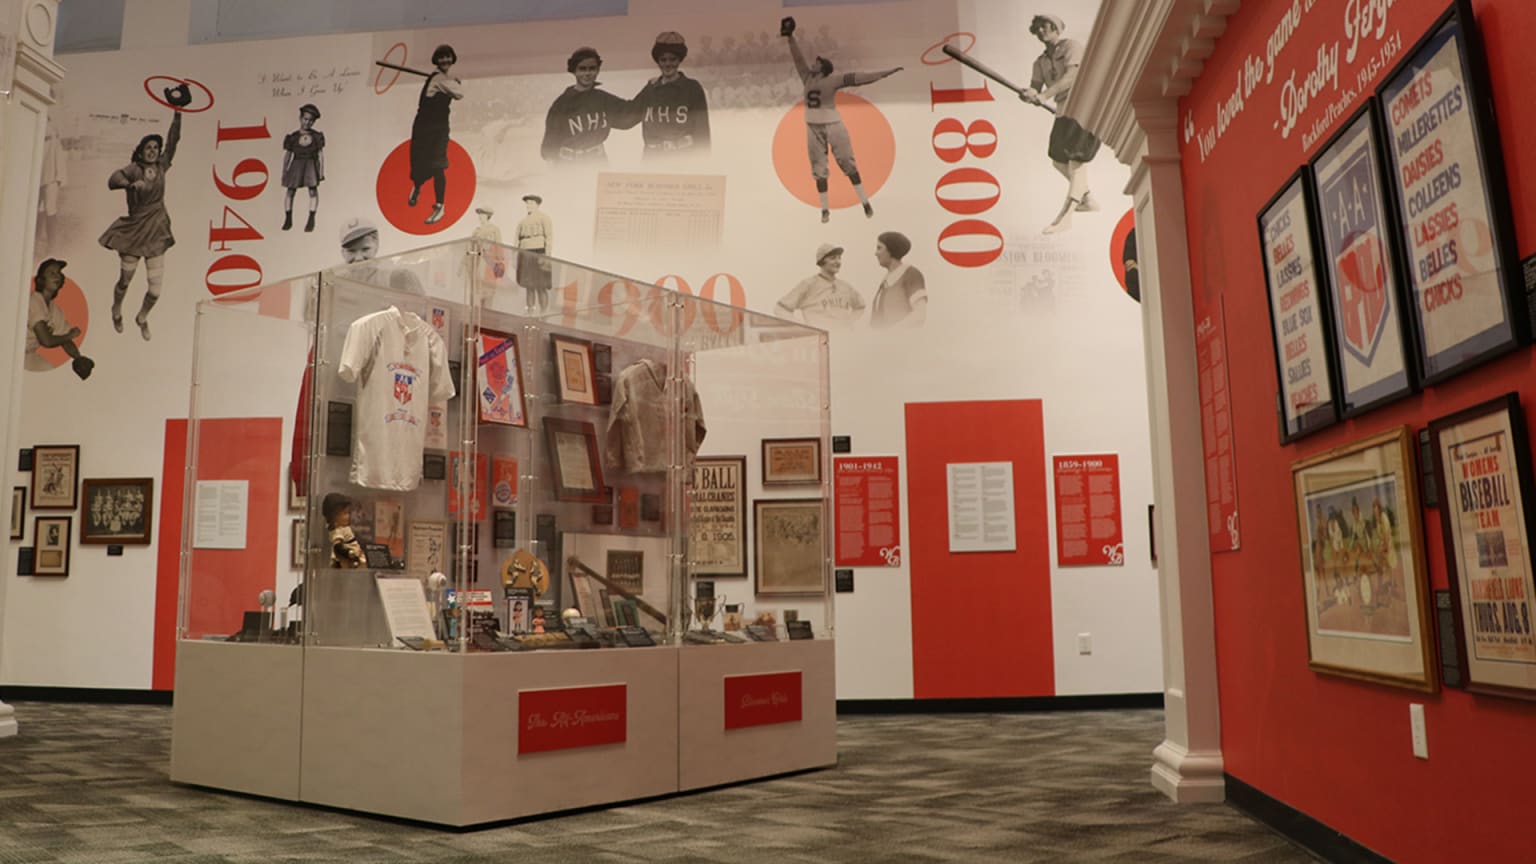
x,y
22,119
1187,766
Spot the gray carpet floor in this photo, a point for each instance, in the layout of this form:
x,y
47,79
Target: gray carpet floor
x,y
87,784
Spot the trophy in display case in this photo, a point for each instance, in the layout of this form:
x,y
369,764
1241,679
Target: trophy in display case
x,y
705,604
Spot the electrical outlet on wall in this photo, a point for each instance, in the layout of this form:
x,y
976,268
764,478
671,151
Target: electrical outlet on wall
x,y
1416,727
1085,643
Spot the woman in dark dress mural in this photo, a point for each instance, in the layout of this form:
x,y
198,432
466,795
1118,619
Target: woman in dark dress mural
x,y
429,132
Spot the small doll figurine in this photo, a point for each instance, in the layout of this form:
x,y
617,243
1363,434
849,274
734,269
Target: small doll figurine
x,y
303,164
538,619
345,550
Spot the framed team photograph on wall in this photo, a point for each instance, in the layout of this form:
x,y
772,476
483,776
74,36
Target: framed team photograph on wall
x,y
18,512
717,517
1359,259
499,379
50,545
791,461
55,476
791,555
117,511
1364,582
1468,296
1298,310
574,370
576,464
1482,461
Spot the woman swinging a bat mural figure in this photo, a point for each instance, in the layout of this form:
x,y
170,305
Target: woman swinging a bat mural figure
x,y
429,132
1071,146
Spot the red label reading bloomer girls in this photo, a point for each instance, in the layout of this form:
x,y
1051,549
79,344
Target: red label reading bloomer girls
x,y
571,717
762,700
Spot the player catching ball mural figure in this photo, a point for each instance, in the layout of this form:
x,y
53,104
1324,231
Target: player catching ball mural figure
x,y
429,131
145,233
824,129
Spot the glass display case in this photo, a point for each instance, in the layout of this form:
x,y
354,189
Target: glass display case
x,y
458,496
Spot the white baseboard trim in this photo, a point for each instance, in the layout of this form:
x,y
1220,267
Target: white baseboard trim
x,y
1186,777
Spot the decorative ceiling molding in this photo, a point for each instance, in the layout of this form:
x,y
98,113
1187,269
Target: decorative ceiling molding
x,y
1140,53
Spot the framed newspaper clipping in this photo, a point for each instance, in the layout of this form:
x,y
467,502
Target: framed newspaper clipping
x,y
1362,561
1359,257
1482,464
1468,295
1298,312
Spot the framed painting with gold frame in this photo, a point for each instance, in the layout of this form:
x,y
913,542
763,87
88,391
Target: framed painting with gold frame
x,y
1365,587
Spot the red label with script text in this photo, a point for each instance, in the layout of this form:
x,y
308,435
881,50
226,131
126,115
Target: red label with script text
x,y
762,700
571,717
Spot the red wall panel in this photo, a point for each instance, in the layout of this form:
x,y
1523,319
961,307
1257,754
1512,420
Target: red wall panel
x,y
247,449
1335,749
981,621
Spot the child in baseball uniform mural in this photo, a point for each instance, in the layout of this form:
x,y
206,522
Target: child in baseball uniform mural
x,y
824,129
902,298
674,110
145,233
580,118
823,300
303,164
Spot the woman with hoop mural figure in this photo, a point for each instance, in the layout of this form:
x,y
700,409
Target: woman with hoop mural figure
x,y
429,131
145,233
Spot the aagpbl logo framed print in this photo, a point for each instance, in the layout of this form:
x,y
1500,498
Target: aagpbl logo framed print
x,y
1360,261
1469,303
1483,467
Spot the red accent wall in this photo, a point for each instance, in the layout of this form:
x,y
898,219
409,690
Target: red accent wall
x,y
981,621
1334,749
228,449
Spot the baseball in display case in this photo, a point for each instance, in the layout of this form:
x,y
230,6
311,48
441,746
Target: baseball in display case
x,y
306,673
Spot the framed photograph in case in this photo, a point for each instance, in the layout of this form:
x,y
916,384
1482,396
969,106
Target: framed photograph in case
x,y
1467,290
1359,257
791,461
790,546
499,380
717,517
55,476
18,512
117,511
50,545
427,548
296,502
574,370
1298,312
577,465
1481,459
1365,587
299,543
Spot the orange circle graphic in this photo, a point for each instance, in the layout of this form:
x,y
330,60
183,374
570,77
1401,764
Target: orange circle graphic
x,y
874,148
71,301
393,189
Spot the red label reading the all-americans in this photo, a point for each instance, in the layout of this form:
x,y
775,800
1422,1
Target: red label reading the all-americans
x,y
762,700
571,717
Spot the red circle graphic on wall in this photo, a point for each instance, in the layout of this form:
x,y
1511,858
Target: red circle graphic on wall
x,y
70,301
874,149
393,189
1123,256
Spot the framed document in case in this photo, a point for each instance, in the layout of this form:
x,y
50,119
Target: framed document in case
x,y
1468,298
1481,459
1358,255
1298,312
573,454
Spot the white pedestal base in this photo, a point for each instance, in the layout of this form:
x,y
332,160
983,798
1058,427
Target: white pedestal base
x,y
7,721
1188,778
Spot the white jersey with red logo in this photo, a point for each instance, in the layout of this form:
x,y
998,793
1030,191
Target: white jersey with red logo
x,y
399,365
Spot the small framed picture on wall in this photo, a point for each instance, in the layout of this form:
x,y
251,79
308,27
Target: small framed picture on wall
x,y
55,476
791,461
18,512
574,370
50,544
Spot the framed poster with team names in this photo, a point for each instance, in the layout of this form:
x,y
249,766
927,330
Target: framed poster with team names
x,y
1362,562
1469,301
1298,315
717,517
1482,464
1358,257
